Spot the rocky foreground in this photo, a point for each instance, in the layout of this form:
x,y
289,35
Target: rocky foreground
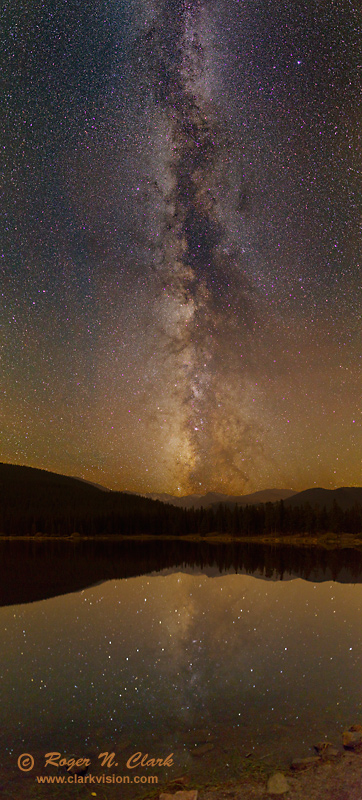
x,y
331,774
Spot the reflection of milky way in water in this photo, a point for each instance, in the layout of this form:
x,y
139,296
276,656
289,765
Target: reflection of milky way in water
x,y
145,660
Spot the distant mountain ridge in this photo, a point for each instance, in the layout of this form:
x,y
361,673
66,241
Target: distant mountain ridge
x,y
214,498
345,497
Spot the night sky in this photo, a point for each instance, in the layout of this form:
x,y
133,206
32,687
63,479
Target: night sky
x,y
181,242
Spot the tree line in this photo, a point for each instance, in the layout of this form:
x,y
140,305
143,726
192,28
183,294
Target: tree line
x,y
64,508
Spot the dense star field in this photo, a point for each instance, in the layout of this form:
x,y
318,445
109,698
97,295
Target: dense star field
x,y
181,242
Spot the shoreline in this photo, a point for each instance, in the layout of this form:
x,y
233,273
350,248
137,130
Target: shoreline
x,y
325,541
327,778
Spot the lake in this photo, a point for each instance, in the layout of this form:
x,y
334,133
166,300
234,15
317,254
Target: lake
x,y
222,655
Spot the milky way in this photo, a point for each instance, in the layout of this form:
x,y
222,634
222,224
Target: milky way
x,y
205,294
182,243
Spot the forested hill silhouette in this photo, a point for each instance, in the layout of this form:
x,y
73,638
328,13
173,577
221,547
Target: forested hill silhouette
x,y
14,476
34,501
345,497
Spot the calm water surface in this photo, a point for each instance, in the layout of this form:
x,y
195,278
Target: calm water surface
x,y
254,665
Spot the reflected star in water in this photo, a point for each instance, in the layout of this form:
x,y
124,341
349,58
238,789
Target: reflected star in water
x,y
226,646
